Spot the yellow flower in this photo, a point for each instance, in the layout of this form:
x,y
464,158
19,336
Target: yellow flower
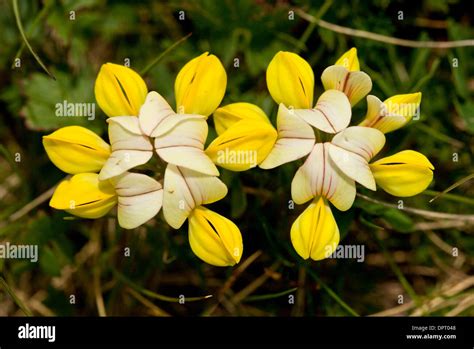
x,y
406,173
315,234
119,90
83,195
290,80
214,238
393,113
75,149
200,85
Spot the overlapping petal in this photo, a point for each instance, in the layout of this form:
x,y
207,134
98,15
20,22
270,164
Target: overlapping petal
x,y
364,141
331,114
295,139
183,144
352,165
139,199
129,147
355,84
319,176
185,190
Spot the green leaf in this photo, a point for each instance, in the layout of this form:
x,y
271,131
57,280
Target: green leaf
x,y
44,94
466,112
399,220
49,262
238,199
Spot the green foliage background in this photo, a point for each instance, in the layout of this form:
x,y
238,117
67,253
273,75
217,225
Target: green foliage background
x,y
405,255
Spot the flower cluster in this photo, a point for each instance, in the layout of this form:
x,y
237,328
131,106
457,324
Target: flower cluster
x,y
338,155
144,130
142,125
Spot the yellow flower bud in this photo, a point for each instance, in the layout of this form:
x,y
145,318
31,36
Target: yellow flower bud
x,y
200,85
119,90
406,173
75,149
213,238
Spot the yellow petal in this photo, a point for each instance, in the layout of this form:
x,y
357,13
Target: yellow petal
x,y
186,189
319,176
349,60
228,115
355,84
331,114
119,90
200,85
75,149
290,80
214,238
84,195
315,234
295,139
244,145
406,173
393,113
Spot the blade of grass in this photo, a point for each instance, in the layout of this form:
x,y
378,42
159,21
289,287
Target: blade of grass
x,y
427,77
39,17
22,32
330,292
269,296
455,185
403,281
163,54
312,25
438,135
448,196
13,296
152,294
